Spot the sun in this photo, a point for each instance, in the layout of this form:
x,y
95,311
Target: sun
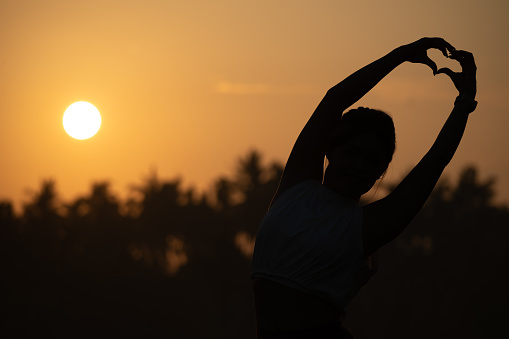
x,y
82,120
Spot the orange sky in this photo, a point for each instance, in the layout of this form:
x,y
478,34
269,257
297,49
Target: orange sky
x,y
186,87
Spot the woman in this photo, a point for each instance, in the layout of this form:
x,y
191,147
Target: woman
x,y
314,243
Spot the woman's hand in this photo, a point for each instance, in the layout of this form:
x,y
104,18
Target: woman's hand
x,y
416,52
465,81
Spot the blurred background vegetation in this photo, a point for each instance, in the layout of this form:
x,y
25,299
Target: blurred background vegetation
x,y
169,262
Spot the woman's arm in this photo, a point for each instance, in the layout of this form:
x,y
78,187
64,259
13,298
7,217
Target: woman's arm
x,y
385,219
307,156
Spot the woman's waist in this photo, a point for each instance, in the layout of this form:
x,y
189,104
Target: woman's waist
x,y
282,308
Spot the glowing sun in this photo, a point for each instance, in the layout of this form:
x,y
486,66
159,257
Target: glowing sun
x,y
82,120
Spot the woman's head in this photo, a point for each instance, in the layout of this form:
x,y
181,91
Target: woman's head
x,y
359,150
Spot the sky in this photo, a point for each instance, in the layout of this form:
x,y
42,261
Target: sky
x,y
185,88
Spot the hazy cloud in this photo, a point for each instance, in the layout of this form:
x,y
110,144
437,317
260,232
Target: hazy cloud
x,y
226,87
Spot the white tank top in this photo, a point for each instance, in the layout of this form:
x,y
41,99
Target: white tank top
x,y
311,240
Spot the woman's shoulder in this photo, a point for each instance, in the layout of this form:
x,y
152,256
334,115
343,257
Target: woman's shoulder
x,y
297,191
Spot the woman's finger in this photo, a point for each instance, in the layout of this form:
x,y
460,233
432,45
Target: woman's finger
x,y
450,73
442,45
431,64
466,59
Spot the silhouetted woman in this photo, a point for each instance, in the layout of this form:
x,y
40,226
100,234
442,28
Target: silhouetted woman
x,y
313,245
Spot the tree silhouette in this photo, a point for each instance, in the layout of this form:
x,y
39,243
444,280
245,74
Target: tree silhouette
x,y
168,262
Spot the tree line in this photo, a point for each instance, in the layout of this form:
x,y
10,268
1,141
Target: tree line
x,y
169,262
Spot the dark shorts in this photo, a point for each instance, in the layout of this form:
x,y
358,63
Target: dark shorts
x,y
327,331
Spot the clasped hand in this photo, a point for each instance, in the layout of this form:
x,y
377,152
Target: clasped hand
x,y
464,81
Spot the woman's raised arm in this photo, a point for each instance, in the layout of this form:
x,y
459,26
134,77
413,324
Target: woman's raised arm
x,y
386,219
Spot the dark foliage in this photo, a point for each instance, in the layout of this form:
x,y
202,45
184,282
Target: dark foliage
x,y
171,263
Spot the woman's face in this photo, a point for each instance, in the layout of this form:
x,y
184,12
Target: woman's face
x,y
355,166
